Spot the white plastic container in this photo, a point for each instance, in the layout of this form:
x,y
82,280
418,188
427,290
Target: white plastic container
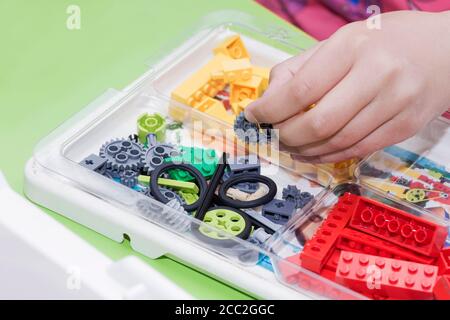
x,y
41,259
55,180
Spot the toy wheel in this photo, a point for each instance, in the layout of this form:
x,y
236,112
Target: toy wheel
x,y
232,221
416,195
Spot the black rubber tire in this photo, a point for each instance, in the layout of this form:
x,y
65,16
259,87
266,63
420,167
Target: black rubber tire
x,y
201,182
225,243
224,199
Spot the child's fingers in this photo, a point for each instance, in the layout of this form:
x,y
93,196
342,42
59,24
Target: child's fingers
x,y
318,75
283,72
392,132
365,122
337,108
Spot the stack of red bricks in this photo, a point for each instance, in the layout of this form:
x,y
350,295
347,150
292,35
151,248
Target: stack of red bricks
x,y
379,251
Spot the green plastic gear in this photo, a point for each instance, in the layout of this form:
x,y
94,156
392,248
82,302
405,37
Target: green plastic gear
x,y
151,123
223,219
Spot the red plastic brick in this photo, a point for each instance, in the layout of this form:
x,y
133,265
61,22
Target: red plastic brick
x,y
379,276
329,269
398,227
333,260
356,241
444,261
319,248
442,288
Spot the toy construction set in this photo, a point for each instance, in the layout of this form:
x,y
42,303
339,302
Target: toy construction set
x,y
171,164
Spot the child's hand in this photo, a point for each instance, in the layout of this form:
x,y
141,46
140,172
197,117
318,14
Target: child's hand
x,y
373,88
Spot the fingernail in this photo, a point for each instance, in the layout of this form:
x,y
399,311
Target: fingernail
x,y
248,114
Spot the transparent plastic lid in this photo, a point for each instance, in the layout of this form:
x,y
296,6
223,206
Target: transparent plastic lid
x,y
114,116
416,171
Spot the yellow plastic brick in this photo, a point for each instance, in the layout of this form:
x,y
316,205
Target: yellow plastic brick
x,y
200,84
233,47
250,89
216,109
239,106
208,103
234,70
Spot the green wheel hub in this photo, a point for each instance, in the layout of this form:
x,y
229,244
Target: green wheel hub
x,y
227,220
151,123
416,195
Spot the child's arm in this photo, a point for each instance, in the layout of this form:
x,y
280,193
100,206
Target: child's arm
x,y
373,88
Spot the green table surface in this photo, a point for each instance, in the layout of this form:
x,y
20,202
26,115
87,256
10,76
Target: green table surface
x,y
48,73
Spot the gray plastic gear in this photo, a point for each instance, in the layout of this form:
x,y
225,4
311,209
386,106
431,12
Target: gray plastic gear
x,y
251,132
129,178
171,214
181,223
155,154
122,154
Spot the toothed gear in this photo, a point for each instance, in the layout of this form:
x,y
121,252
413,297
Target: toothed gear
x,y
250,132
174,218
168,214
122,154
154,156
129,178
245,130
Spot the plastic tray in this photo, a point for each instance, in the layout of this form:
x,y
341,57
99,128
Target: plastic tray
x,y
56,180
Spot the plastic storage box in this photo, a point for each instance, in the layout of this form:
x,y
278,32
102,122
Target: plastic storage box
x,y
68,268
55,180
